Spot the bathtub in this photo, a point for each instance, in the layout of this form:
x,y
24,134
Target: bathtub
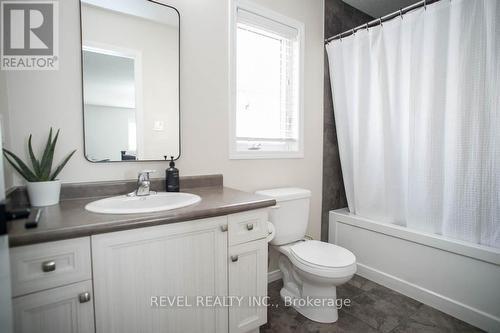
x,y
459,278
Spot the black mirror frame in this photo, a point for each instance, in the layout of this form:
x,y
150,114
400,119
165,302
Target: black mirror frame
x,y
82,89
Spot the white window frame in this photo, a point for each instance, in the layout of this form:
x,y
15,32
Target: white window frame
x,y
233,20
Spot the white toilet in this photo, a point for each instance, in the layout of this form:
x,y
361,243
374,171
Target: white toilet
x,y
311,269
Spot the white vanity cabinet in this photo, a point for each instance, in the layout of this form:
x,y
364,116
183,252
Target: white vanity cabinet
x,y
52,287
168,278
57,310
248,269
176,260
165,278
248,279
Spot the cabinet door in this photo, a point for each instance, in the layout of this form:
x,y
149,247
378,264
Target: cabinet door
x,y
248,278
58,310
139,273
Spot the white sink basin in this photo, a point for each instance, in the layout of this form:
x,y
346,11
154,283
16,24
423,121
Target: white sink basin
x,y
157,202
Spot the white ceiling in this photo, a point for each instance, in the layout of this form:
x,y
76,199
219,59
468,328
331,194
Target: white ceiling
x,y
379,8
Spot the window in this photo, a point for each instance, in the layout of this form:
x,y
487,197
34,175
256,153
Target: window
x,y
266,91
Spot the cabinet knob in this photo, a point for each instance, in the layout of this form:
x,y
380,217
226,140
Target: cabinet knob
x,y
250,226
234,258
84,297
49,266
223,227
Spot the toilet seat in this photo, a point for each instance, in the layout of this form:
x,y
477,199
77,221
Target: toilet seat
x,y
322,259
323,254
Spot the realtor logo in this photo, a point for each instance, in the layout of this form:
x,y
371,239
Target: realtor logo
x,y
29,35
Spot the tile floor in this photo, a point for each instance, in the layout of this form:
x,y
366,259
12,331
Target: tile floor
x,y
374,308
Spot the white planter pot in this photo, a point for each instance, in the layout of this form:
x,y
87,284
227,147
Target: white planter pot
x,y
44,193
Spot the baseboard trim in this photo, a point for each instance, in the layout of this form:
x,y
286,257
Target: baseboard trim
x,y
274,276
447,305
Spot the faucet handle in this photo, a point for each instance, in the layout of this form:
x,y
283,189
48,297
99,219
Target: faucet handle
x,y
143,183
146,173
144,176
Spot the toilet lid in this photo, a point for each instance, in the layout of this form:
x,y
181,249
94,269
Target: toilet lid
x,y
323,254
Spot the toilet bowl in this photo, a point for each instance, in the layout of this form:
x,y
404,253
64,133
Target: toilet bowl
x,y
311,269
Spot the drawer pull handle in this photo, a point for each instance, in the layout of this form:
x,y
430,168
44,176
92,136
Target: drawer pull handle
x,y
234,258
223,227
84,297
48,266
250,226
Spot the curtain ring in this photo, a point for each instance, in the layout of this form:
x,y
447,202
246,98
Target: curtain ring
x,y
367,27
380,22
401,13
353,31
425,4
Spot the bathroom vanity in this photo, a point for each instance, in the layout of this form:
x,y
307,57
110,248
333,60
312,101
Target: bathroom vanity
x,y
163,272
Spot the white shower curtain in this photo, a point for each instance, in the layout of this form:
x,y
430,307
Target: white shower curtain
x,y
417,111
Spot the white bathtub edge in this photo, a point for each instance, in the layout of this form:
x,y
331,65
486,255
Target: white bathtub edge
x,y
449,306
475,251
392,273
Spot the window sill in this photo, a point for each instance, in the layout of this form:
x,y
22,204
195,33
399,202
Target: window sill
x,y
265,155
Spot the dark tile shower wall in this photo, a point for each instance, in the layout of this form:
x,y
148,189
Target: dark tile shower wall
x,y
339,17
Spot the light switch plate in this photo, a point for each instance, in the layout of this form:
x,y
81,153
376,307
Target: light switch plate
x,y
158,125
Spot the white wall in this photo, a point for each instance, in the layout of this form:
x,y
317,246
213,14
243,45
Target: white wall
x,y
4,120
42,99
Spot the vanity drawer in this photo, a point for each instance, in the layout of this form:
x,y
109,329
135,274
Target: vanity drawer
x,y
247,226
47,265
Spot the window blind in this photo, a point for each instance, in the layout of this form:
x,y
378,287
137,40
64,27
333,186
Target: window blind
x,y
267,112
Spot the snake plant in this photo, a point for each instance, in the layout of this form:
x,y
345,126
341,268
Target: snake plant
x,y
41,170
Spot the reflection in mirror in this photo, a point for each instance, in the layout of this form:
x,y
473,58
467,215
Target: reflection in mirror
x,y
130,58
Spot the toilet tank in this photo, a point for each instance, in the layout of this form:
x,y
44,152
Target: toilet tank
x,y
290,215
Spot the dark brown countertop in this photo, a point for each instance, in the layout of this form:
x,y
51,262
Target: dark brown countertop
x,y
69,219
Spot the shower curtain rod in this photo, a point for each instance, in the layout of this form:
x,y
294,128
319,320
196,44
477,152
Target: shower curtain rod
x,y
382,19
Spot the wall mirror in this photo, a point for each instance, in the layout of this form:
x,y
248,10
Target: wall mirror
x,y
130,73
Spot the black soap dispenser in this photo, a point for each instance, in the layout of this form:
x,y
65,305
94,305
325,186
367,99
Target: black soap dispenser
x,y
172,177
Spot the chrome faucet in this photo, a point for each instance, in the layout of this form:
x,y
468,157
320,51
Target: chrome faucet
x,y
143,184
